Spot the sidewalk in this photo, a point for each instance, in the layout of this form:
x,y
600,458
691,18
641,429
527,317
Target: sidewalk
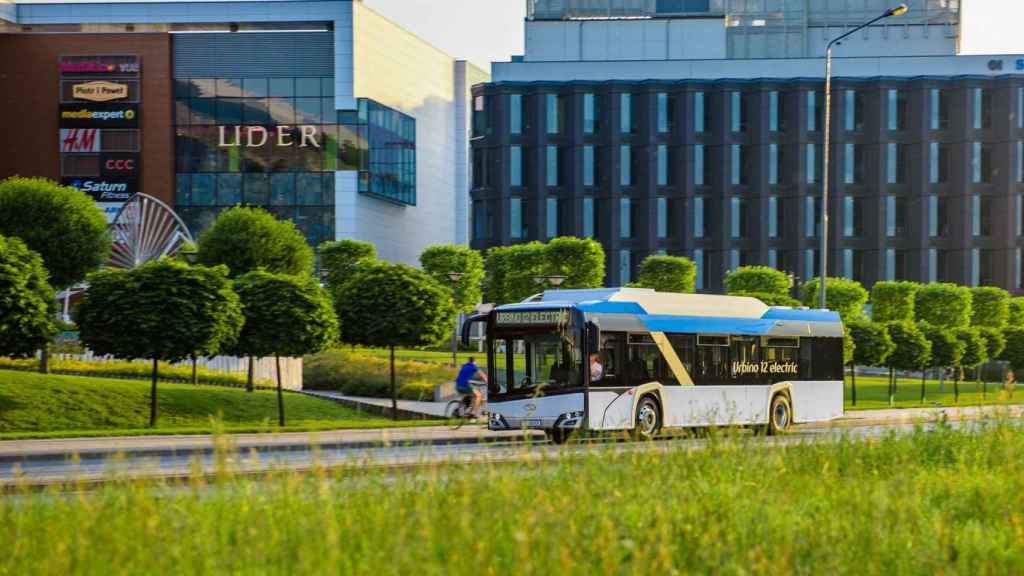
x,y
406,408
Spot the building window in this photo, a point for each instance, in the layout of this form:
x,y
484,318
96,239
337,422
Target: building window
x,y
737,112
975,267
853,216
773,258
981,163
663,173
626,113
773,111
1020,107
773,216
810,263
699,124
589,166
853,163
553,156
890,263
666,113
737,218
481,115
591,112
938,163
1020,161
589,218
555,107
553,217
698,165
736,172
896,163
852,264
813,113
626,218
515,177
981,215
895,216
1017,268
516,113
1019,219
896,106
811,216
773,163
734,259
517,218
853,111
811,160
483,220
664,222
938,109
625,265
982,109
698,261
625,165
933,265
698,217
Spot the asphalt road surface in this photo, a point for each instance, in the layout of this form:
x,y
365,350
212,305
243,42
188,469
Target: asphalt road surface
x,y
92,468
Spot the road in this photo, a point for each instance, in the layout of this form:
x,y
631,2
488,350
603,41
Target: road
x,y
40,469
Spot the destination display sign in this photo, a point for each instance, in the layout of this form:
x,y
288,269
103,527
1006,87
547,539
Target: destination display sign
x,y
762,368
532,318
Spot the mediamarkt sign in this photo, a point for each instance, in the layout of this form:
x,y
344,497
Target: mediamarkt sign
x,y
256,136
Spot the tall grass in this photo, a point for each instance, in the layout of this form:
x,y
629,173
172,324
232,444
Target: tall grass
x,y
947,502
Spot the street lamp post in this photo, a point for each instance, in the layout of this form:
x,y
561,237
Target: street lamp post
x,y
455,277
555,280
897,11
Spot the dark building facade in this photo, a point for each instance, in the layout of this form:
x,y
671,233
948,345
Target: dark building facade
x,y
926,174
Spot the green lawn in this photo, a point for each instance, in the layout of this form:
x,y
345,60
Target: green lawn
x,y
942,502
48,405
873,392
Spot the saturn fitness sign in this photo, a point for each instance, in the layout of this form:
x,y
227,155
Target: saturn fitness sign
x,y
258,136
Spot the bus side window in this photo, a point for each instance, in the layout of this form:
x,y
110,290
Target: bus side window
x,y
610,359
806,356
684,347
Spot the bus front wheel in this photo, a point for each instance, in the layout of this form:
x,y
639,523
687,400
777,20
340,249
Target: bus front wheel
x,y
780,415
648,419
557,435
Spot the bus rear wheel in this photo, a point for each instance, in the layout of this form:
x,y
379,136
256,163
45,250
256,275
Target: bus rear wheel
x,y
780,415
648,419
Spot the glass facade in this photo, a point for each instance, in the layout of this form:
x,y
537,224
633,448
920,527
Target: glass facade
x,y
277,142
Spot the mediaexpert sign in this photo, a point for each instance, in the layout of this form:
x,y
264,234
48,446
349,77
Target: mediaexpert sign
x,y
99,116
105,189
119,164
99,91
74,140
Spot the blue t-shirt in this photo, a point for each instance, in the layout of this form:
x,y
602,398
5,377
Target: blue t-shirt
x,y
466,373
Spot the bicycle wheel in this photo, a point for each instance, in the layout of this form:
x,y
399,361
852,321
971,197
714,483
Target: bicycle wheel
x,y
455,413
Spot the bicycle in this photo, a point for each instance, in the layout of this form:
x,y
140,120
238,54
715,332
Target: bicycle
x,y
458,411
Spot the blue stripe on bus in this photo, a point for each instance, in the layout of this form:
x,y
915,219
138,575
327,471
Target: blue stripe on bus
x,y
797,314
704,325
612,307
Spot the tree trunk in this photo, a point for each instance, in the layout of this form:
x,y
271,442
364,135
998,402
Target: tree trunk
x,y
394,391
195,375
152,398
892,387
280,393
924,374
977,378
44,360
853,383
249,386
956,387
942,381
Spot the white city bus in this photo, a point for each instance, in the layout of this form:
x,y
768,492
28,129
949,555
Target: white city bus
x,y
667,361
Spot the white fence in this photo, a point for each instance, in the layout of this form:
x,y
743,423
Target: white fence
x,y
264,369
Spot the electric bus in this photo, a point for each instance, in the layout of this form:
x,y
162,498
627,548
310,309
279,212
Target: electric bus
x,y
638,360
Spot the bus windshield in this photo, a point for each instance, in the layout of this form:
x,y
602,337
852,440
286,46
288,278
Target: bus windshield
x,y
536,360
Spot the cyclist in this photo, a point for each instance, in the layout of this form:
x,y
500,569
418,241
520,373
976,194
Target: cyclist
x,y
470,375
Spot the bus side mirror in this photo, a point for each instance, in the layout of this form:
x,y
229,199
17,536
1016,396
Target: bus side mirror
x,y
593,338
467,326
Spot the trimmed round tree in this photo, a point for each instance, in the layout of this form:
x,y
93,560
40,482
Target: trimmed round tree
x,y
1014,350
246,239
995,342
893,301
389,305
872,346
912,352
164,310
668,274
771,298
440,260
945,305
511,271
990,306
340,258
1016,306
975,354
61,224
757,279
580,260
27,302
947,349
847,297
285,315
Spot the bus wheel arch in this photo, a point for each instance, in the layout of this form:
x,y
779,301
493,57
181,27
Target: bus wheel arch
x,y
780,412
649,416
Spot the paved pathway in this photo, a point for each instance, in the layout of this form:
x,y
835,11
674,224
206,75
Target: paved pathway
x,y
431,409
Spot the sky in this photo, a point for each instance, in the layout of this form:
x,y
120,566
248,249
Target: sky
x,y
481,31
991,26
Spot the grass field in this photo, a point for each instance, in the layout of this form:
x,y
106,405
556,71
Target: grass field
x,y
44,405
941,502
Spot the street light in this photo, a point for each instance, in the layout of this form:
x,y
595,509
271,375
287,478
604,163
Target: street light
x,y
555,280
455,277
897,11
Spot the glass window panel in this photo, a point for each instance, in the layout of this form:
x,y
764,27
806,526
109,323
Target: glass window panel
x,y
698,217
309,189
515,166
553,117
204,110
625,165
773,110
663,120
552,217
229,87
663,217
735,164
773,217
307,86
588,166
229,111
625,218
773,163
662,165
698,165
203,190
327,87
229,189
182,189
625,113
812,110
516,218
698,112
589,218
257,189
589,114
255,88
307,111
282,189
282,110
254,111
625,265
516,114
698,260
284,87
810,216
812,163
735,111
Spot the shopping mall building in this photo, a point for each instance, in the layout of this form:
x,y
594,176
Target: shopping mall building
x,y
323,112
695,128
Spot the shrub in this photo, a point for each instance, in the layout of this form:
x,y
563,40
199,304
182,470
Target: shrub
x,y
990,307
1016,317
247,239
668,274
944,305
893,301
341,257
760,279
139,370
27,302
771,299
359,373
842,295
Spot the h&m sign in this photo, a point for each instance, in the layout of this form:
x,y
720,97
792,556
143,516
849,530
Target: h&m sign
x,y
257,136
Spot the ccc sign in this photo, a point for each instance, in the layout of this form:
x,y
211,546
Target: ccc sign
x,y
119,164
